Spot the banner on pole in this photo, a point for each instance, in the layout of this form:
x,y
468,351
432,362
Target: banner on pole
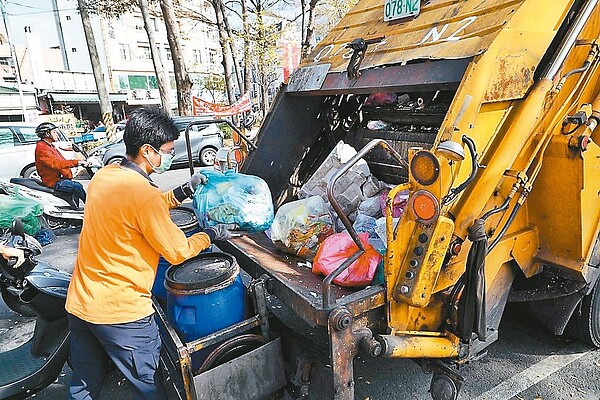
x,y
201,107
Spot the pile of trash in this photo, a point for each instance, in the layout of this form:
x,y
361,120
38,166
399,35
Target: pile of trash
x,y
310,228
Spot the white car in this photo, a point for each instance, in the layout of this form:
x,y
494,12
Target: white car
x,y
17,149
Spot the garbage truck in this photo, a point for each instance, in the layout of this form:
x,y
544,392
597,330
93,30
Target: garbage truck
x,y
492,128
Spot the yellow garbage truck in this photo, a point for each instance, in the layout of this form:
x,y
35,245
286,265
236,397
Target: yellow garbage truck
x,y
493,131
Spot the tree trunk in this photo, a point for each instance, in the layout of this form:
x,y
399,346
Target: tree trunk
x,y
247,73
105,106
161,78
262,70
247,77
306,44
236,69
182,79
218,7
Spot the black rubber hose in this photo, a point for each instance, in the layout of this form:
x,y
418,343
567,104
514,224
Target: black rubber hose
x,y
511,217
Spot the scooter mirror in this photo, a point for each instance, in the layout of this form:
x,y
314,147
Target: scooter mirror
x,y
17,228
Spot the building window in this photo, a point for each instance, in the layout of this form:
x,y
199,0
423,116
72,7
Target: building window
x,y
68,17
155,24
74,49
144,53
139,24
168,52
124,51
212,56
4,60
197,54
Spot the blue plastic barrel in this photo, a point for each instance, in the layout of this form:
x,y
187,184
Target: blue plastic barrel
x,y
204,294
187,221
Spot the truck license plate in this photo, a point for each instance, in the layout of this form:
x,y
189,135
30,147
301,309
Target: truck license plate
x,y
397,9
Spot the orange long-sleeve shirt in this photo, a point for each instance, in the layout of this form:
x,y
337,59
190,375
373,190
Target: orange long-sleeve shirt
x,y
126,226
51,165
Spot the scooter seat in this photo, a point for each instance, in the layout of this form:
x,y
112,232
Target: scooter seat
x,y
31,183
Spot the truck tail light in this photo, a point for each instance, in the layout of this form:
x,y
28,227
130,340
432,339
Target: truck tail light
x,y
425,167
425,206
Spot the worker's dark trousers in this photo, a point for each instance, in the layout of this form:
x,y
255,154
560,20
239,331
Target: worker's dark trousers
x,y
134,348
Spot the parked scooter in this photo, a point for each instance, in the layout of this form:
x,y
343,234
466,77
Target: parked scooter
x,y
60,208
38,362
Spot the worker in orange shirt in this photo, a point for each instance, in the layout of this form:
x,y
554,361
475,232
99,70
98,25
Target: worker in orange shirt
x,y
126,227
52,167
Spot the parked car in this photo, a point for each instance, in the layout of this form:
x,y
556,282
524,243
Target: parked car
x,y
17,149
205,141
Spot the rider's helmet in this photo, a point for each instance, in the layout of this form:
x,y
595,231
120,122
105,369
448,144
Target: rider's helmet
x,y
43,129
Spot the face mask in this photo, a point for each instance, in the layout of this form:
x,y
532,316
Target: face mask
x,y
165,162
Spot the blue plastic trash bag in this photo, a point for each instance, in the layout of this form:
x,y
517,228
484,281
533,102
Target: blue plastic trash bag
x,y
234,198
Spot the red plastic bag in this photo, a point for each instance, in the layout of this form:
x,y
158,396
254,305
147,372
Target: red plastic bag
x,y
336,249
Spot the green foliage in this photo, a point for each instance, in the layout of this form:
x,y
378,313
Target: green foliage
x,y
213,84
227,131
110,8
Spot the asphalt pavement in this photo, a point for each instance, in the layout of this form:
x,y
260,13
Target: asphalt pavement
x,y
526,363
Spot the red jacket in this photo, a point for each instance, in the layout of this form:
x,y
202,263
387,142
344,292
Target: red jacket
x,y
51,165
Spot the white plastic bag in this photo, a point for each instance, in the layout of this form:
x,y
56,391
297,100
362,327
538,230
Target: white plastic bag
x,y
300,226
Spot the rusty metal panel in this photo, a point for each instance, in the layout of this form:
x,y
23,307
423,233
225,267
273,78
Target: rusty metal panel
x,y
252,376
294,284
444,30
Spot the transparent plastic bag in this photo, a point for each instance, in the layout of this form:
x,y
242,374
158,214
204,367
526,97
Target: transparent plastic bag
x,y
28,210
300,226
400,203
234,198
336,249
367,224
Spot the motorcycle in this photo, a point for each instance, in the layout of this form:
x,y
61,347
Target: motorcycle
x,y
43,289
60,208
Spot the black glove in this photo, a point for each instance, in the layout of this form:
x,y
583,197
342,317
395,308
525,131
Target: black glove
x,y
189,188
221,231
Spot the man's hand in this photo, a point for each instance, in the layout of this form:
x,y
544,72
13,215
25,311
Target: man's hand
x,y
84,163
189,188
223,231
8,252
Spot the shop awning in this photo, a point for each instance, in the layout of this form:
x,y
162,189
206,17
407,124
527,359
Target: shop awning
x,y
78,98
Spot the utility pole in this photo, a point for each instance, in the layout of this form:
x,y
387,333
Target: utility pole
x,y
105,106
14,57
161,78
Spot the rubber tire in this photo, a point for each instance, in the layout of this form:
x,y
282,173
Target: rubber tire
x,y
443,387
231,349
203,154
585,325
15,305
29,171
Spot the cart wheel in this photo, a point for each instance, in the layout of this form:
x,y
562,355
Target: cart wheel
x,y
443,387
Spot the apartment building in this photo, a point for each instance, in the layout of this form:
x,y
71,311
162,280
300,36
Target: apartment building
x,y
54,61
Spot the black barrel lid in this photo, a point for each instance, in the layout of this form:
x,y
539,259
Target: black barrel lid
x,y
184,218
204,271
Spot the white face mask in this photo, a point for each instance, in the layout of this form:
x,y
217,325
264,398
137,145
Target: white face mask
x,y
165,161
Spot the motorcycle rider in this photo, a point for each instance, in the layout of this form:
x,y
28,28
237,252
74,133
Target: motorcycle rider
x,y
53,168
8,252
126,227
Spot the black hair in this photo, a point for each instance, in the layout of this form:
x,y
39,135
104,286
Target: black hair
x,y
148,126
